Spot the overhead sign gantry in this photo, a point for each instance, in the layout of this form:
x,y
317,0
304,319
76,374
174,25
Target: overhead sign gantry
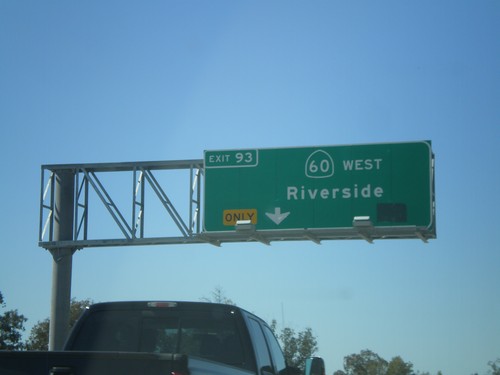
x,y
371,191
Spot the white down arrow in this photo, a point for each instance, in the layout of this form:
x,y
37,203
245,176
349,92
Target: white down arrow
x,y
277,217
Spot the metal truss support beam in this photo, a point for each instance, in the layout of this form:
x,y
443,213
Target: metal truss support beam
x,y
89,182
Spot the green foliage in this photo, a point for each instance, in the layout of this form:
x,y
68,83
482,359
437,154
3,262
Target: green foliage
x,y
365,363
39,335
308,345
289,344
399,367
297,347
370,363
11,328
495,367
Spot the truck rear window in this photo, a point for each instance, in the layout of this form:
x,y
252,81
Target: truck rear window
x,y
210,335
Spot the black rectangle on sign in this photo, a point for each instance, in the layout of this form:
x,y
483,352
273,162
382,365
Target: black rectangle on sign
x,y
392,212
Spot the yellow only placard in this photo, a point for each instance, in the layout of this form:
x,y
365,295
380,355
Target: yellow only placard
x,y
230,217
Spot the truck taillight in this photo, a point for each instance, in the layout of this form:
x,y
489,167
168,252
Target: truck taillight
x,y
162,304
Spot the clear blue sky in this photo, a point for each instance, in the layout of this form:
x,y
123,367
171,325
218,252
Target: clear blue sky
x,y
94,81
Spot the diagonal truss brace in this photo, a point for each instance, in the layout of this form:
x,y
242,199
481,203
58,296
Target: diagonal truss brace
x,y
106,199
167,203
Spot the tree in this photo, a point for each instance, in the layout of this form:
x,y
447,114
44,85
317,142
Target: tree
x,y
370,363
495,367
307,346
365,363
399,367
39,335
297,347
11,328
289,344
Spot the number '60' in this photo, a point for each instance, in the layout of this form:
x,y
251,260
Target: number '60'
x,y
319,165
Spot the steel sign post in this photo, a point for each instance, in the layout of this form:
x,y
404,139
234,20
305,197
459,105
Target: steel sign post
x,y
389,185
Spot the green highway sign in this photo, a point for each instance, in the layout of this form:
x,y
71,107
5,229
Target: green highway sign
x,y
327,187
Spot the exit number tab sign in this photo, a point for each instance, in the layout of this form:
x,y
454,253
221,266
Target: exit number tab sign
x,y
231,159
320,187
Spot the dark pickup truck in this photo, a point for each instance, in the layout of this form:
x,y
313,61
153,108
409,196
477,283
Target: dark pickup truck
x,y
168,338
